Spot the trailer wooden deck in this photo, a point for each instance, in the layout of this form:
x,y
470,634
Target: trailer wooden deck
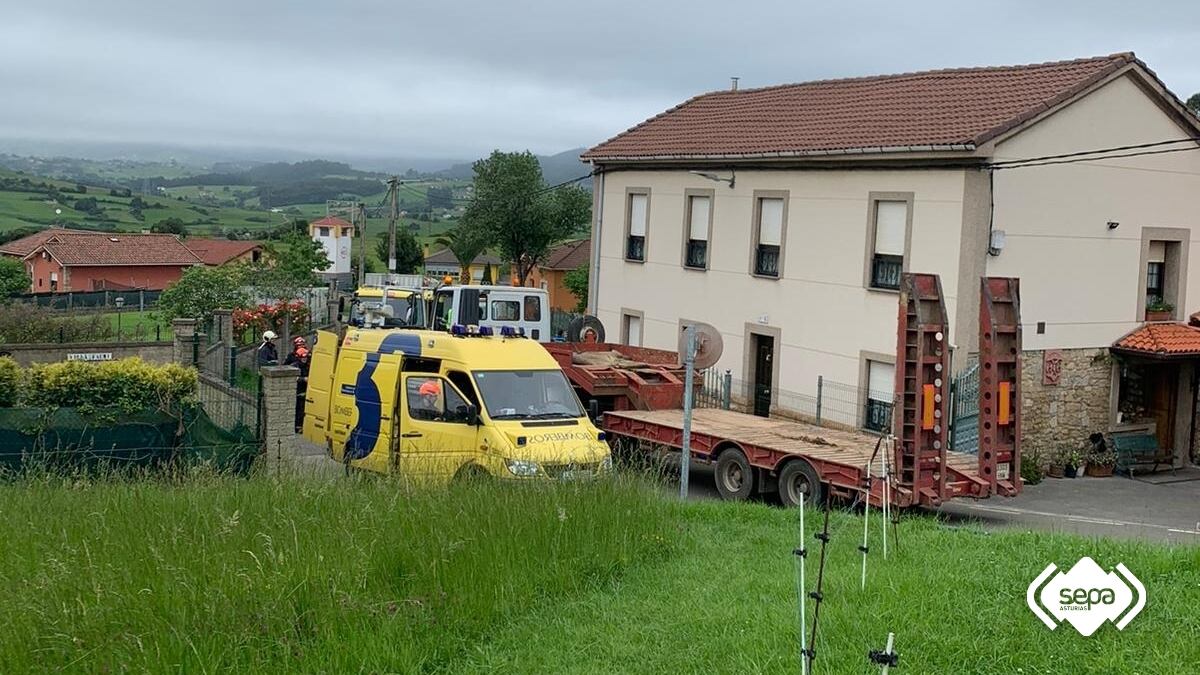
x,y
839,456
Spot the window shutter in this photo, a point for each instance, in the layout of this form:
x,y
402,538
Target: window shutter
x,y
881,381
770,222
1158,251
637,215
699,225
891,219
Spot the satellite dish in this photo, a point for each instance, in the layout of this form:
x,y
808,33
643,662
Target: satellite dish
x,y
709,345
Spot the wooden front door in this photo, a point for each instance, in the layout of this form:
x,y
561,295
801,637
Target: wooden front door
x,y
1162,391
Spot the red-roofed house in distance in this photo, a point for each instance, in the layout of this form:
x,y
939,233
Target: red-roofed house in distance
x,y
785,215
215,252
95,261
550,274
335,236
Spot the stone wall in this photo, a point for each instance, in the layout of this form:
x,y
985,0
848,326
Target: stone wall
x,y
29,354
1071,410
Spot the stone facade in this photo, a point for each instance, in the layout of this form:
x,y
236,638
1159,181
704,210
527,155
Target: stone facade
x,y
1073,409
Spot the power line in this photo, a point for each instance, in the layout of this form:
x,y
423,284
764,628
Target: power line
x,y
1085,153
1077,160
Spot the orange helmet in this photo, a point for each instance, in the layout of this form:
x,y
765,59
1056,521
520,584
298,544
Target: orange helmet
x,y
430,388
299,341
302,353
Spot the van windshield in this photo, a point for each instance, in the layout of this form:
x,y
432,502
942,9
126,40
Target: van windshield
x,y
527,394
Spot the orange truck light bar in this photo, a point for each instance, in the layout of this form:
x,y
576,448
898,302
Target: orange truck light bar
x,y
927,406
1004,416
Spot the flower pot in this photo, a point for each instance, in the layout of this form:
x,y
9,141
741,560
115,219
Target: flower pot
x,y
1055,471
1099,470
1069,471
1158,315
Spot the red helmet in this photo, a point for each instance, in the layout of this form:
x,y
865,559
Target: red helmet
x,y
299,341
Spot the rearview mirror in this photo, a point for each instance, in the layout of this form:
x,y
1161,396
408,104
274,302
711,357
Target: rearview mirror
x,y
467,413
594,409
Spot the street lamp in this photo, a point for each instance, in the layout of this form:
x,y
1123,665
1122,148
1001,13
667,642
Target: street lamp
x,y
120,302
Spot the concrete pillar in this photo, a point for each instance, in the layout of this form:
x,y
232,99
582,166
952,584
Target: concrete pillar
x,y
279,414
185,333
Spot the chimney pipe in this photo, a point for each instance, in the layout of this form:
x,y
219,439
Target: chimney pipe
x,y
733,83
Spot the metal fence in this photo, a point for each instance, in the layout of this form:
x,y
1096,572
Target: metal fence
x,y
129,300
229,407
834,404
560,320
964,406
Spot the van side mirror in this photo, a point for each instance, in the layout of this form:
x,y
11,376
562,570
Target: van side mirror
x,y
471,415
594,409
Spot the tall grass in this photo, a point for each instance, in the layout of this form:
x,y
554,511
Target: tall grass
x,y
220,574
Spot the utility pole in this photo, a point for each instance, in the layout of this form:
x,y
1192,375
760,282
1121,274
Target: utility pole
x,y
360,213
394,194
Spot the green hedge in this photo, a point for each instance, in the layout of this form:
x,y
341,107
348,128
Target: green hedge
x,y
126,385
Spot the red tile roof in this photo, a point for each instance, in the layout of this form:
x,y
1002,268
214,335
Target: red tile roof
x,y
218,251
116,248
26,245
331,221
569,256
446,257
1162,339
939,109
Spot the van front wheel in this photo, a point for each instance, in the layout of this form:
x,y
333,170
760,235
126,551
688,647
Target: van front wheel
x,y
471,473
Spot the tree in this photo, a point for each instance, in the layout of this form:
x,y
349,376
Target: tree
x,y
1193,103
466,244
515,212
88,205
13,278
289,266
203,289
170,226
576,281
408,251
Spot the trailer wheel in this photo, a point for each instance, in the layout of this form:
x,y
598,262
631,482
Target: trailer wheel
x,y
799,481
734,475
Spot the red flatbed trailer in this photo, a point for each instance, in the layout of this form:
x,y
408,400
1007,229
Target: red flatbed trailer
x,y
760,454
652,380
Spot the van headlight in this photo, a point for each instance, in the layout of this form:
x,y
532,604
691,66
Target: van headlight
x,y
522,467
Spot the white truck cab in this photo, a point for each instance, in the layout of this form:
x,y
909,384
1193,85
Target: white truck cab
x,y
516,308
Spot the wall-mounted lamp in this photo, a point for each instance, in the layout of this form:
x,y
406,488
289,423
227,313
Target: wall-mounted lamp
x,y
714,177
997,243
1112,224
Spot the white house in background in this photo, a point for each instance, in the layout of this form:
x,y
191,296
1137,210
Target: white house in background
x,y
335,236
785,215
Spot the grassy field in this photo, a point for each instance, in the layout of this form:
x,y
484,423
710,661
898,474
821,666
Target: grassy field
x,y
140,325
271,575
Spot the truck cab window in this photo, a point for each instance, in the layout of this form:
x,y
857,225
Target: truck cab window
x,y
506,310
463,382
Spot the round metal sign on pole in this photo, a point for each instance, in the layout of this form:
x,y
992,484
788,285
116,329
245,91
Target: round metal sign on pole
x,y
700,347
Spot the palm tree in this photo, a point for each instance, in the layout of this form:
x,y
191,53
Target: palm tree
x,y
466,245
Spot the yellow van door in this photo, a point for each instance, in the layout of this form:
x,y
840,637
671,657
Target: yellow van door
x,y
437,436
317,397
370,440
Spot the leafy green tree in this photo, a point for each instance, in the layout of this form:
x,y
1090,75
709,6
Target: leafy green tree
x,y
466,244
88,205
408,251
576,281
18,233
289,265
515,212
1193,103
203,289
13,278
170,226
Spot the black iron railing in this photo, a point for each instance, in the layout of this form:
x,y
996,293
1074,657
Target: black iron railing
x,y
766,260
886,270
878,415
635,248
697,254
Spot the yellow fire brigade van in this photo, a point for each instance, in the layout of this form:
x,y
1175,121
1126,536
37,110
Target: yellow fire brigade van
x,y
435,406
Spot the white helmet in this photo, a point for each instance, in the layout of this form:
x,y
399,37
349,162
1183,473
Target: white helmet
x,y
269,335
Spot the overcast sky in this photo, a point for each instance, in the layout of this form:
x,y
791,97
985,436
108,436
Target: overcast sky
x,y
457,79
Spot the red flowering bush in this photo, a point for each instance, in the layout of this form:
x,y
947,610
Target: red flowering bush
x,y
264,317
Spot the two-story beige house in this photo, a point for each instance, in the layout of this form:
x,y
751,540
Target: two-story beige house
x,y
784,216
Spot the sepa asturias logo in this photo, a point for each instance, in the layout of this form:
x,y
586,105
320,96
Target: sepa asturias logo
x,y
1086,596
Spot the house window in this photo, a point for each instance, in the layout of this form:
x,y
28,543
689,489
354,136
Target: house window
x,y
323,231
881,381
638,215
887,257
768,247
699,213
631,330
1156,274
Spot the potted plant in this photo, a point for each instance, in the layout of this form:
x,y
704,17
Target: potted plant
x,y
1072,462
1100,460
1159,310
1054,468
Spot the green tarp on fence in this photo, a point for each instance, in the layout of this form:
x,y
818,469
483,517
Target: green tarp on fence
x,y
69,439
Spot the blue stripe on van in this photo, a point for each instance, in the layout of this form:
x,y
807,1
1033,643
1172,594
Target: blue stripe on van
x,y
366,399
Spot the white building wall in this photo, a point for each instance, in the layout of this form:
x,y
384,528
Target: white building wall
x,y
1078,276
825,315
